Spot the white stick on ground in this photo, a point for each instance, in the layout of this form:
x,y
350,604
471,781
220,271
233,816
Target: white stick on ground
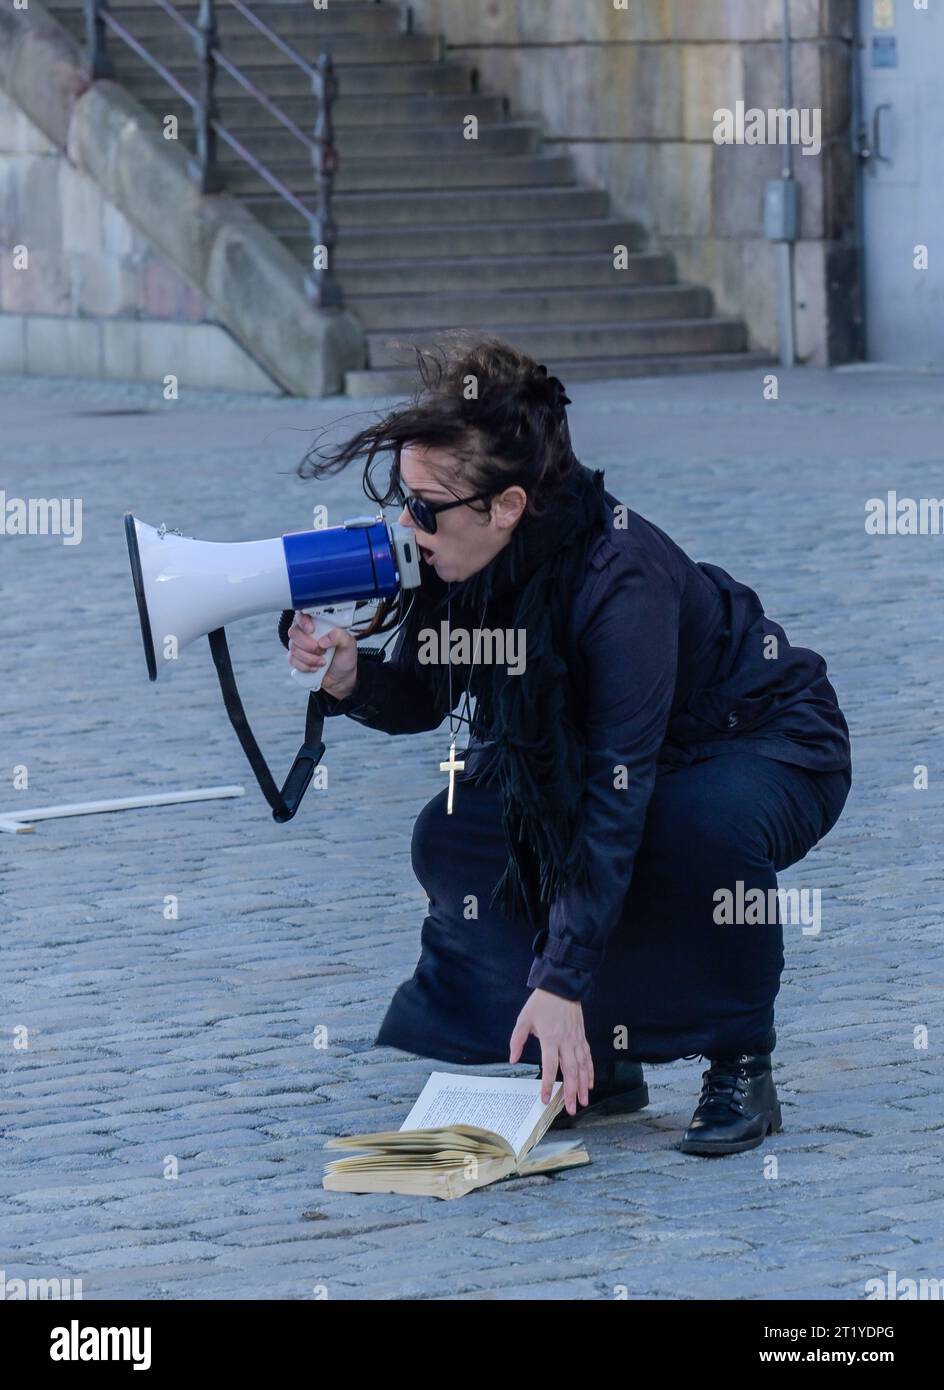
x,y
17,822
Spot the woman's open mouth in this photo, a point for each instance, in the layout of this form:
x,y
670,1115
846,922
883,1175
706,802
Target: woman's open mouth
x,y
426,554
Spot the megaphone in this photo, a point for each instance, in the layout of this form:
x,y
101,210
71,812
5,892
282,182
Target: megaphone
x,y
187,588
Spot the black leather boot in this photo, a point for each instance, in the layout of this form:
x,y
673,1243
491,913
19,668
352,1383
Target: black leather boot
x,y
618,1089
737,1109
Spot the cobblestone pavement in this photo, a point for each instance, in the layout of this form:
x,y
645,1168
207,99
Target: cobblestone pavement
x,y
192,1038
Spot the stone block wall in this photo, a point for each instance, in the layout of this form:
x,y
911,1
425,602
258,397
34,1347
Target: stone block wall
x,y
93,297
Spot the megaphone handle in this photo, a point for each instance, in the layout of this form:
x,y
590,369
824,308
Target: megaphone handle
x,y
311,680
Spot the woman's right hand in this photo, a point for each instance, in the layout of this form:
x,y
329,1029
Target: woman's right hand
x,y
306,653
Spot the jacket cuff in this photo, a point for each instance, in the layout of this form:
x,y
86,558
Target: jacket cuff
x,y
562,967
362,703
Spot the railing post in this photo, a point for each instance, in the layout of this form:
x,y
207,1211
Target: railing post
x,y
321,283
100,64
207,166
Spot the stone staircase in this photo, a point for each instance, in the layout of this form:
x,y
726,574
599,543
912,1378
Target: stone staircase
x,y
435,232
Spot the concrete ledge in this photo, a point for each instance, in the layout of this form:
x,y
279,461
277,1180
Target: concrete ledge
x,y
256,287
202,356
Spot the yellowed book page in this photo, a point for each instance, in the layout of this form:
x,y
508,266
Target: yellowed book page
x,y
449,1184
420,1141
553,1154
445,1158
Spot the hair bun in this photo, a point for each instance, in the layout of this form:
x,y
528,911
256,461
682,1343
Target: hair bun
x,y
553,391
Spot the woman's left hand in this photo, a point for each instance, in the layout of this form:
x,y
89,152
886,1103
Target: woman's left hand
x,y
558,1025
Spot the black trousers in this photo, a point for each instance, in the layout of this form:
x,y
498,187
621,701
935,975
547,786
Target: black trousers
x,y
676,981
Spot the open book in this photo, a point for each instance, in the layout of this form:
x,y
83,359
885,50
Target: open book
x,y
462,1133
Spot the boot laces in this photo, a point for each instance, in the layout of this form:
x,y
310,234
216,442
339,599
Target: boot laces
x,y
725,1080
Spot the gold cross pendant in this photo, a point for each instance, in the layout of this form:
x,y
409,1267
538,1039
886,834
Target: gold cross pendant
x,y
452,767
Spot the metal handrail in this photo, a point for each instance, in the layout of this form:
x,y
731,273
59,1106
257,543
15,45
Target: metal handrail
x,y
263,172
142,52
321,285
265,101
270,34
221,59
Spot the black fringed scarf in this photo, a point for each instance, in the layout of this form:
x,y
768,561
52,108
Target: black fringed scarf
x,y
538,759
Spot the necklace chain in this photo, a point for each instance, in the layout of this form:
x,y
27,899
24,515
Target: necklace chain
x,y
451,765
467,717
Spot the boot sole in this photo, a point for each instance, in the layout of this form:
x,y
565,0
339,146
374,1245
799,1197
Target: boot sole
x,y
626,1103
708,1150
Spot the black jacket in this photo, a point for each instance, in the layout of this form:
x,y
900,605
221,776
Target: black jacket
x,y
672,662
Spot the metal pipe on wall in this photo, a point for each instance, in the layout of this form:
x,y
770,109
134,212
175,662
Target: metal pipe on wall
x,y
785,258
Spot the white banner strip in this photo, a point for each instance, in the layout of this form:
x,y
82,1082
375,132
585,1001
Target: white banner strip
x,y
17,822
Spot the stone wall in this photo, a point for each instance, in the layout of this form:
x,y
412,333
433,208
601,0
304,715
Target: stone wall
x,y
90,296
632,92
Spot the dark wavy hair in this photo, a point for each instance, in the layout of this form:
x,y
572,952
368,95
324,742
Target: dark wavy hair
x,y
497,412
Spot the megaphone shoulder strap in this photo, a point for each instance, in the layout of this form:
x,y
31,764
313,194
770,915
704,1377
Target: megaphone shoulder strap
x,y
286,802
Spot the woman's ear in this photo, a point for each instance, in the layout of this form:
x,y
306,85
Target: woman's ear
x,y
509,506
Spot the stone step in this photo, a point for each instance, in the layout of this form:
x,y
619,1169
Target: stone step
x,y
494,232
564,271
580,340
147,20
392,209
369,246
355,80
394,381
399,110
256,55
627,304
473,170
382,142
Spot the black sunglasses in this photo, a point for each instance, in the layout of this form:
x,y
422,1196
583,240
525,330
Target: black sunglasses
x,y
424,513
